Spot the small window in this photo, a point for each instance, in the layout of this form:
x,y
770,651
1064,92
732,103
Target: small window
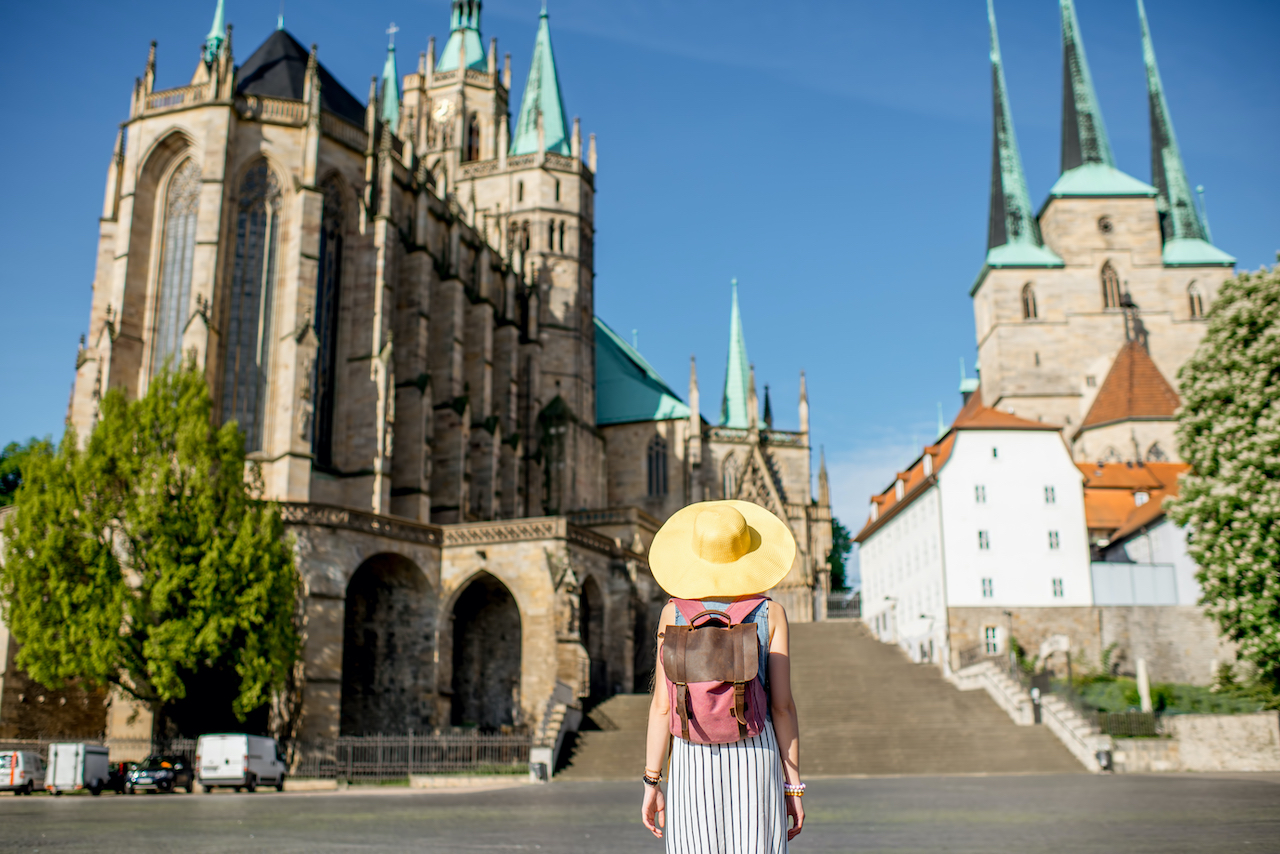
x,y
557,189
1037,359
988,589
1057,588
1105,225
1091,381
657,467
519,191
1196,301
1053,539
1029,302
984,541
995,453
1049,496
551,236
1140,498
562,236
990,634
980,494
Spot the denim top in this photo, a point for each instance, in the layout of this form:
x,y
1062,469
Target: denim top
x,y
759,616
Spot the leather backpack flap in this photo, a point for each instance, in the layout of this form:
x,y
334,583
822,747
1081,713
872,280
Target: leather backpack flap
x,y
711,654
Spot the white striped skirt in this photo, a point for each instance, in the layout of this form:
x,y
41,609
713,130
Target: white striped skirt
x,y
726,798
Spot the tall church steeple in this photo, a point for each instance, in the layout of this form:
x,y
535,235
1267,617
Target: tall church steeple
x,y
464,30
1088,166
735,408
390,85
217,34
542,99
1013,235
1186,240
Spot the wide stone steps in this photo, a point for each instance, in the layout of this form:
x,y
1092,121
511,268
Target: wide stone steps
x,y
865,709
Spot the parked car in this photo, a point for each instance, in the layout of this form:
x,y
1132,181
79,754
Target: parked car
x,y
21,772
74,766
238,761
161,774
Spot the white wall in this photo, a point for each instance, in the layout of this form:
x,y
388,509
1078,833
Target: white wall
x,y
1164,542
1017,520
903,561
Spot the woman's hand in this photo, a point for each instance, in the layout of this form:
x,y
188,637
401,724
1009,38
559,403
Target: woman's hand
x,y
654,810
795,809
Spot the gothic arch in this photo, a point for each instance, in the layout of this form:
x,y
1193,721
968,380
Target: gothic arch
x,y
326,316
1029,308
175,228
1195,300
591,629
388,648
1110,281
486,647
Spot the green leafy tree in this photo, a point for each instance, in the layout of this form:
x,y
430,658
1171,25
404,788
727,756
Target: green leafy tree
x,y
11,457
1229,431
841,546
146,559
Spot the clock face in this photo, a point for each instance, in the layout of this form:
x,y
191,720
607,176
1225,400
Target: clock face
x,y
443,110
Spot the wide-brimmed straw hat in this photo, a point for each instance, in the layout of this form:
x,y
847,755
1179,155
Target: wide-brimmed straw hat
x,y
717,549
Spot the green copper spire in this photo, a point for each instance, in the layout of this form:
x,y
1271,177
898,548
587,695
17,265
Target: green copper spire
x,y
390,84
1185,233
1088,167
217,34
542,96
737,378
464,31
1013,234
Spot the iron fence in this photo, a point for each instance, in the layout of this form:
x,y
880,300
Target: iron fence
x,y
1130,724
970,656
389,757
844,605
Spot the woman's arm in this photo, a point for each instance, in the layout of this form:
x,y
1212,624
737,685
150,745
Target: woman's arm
x,y
653,811
786,723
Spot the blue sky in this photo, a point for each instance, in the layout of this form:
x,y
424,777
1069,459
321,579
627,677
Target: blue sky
x,y
833,156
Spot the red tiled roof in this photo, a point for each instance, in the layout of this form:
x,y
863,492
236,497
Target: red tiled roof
x,y
1134,388
1109,494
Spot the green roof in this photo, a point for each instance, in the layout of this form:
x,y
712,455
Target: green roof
x,y
464,25
1084,133
628,389
1099,179
1194,252
541,96
217,34
1022,255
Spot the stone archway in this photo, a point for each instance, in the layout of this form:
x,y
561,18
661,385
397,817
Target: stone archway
x,y
388,649
486,656
591,630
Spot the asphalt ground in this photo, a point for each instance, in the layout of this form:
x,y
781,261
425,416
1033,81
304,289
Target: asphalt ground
x,y
990,815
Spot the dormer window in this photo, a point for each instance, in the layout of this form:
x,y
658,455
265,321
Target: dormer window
x,y
899,489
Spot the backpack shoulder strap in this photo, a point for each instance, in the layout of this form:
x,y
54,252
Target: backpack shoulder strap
x,y
740,610
688,608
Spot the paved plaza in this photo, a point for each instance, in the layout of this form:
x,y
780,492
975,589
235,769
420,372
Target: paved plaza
x,y
991,815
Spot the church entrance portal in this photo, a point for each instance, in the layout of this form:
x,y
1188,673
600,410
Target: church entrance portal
x,y
591,630
388,677
486,656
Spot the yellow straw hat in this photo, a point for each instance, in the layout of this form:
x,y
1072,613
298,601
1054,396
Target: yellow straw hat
x,y
721,549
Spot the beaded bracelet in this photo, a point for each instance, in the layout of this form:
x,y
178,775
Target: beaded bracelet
x,y
793,789
651,781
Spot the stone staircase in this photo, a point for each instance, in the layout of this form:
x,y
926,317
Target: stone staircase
x,y
864,708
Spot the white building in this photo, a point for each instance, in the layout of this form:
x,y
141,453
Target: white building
x,y
989,517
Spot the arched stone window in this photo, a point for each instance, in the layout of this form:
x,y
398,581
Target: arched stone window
x,y
1110,286
657,467
1029,302
1195,300
328,300
248,330
562,237
473,138
551,236
173,298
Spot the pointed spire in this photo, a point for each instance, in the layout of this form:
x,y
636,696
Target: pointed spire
x,y
1088,166
1084,134
1013,234
217,34
753,402
768,409
737,378
464,38
824,482
542,98
390,84
804,404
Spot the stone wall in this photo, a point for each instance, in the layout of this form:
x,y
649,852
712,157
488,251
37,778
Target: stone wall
x,y
1205,743
1179,643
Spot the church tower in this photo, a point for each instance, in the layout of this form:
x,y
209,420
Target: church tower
x,y
1109,264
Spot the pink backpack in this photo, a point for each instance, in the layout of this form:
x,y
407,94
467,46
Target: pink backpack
x,y
717,693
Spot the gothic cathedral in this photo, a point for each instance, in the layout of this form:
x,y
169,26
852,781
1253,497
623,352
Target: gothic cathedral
x,y
394,300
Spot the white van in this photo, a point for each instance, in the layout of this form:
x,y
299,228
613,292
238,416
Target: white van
x,y
21,772
239,762
74,766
